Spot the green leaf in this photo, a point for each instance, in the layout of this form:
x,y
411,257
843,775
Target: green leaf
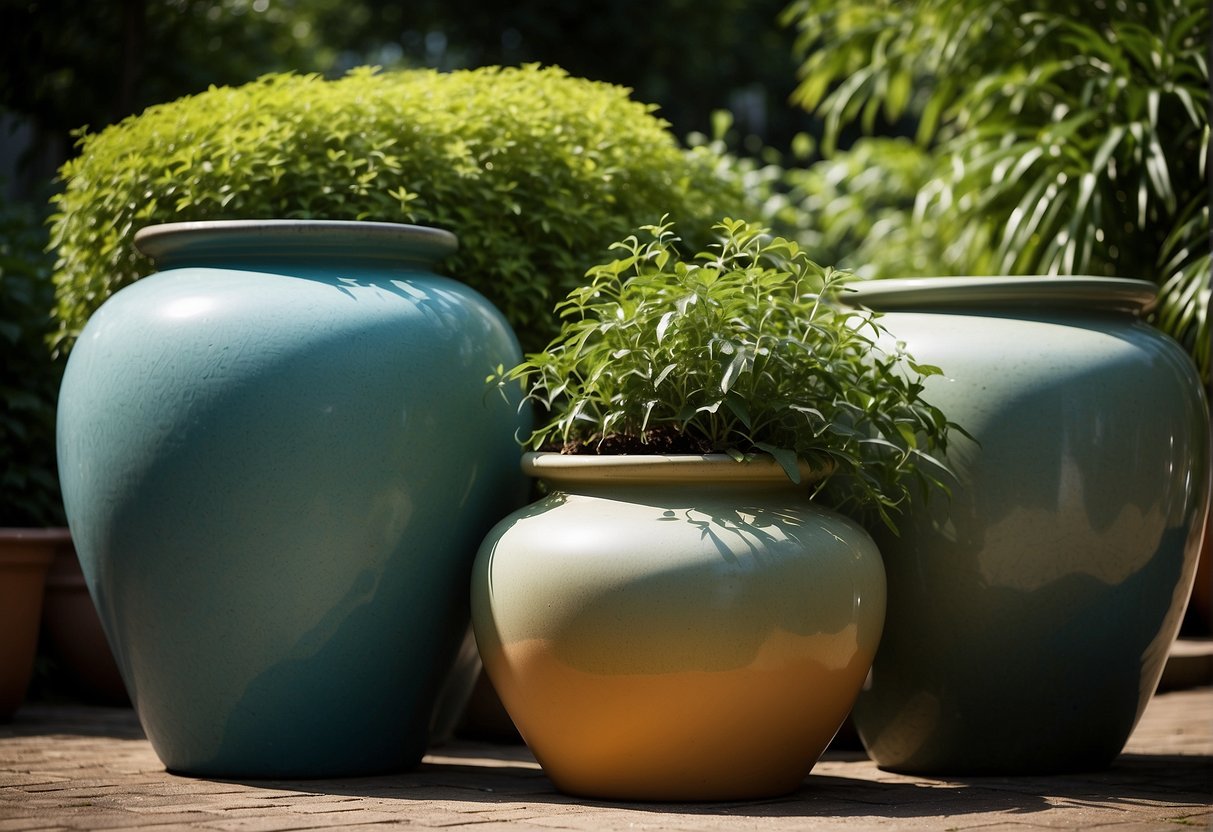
x,y
664,323
739,364
786,457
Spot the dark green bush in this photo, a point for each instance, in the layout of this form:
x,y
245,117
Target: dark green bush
x,y
535,171
29,386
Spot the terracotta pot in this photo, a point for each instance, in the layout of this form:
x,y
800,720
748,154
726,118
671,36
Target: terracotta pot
x,y
25,555
73,631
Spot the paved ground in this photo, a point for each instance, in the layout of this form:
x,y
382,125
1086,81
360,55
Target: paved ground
x,y
73,767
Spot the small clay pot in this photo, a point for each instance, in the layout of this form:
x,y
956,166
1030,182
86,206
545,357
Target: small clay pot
x,y
25,555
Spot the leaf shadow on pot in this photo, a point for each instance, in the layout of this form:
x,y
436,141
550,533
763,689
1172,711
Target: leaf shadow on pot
x,y
761,565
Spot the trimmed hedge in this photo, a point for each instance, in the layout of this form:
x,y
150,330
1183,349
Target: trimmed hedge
x,y
535,171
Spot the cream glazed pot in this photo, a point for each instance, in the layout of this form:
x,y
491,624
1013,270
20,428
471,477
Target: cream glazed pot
x,y
676,627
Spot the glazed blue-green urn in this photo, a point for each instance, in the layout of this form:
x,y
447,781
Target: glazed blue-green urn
x,y
278,458
1031,610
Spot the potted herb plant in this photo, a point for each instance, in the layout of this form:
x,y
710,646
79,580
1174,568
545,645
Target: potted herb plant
x,y
686,615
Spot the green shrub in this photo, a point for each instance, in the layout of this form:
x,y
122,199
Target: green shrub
x,y
857,208
860,209
739,350
29,387
535,171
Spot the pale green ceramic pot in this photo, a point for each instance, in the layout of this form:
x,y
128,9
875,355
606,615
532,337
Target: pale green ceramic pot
x,y
1030,613
676,628
278,457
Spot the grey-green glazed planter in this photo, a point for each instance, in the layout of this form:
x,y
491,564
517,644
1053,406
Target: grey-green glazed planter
x,y
1030,615
278,457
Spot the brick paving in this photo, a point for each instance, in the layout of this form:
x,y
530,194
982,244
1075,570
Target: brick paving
x,y
71,767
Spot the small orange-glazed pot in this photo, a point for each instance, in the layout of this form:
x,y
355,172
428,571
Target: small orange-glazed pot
x,y
676,628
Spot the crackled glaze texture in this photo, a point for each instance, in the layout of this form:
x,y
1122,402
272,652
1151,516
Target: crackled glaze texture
x,y
1030,614
278,457
676,628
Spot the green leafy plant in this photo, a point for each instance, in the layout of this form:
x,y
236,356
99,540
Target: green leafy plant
x,y
1070,136
858,209
531,169
29,387
738,350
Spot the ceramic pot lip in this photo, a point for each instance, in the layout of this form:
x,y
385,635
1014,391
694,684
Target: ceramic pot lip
x,y
189,243
1107,294
657,469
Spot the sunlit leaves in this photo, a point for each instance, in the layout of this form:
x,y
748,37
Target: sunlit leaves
x,y
1068,134
741,348
535,171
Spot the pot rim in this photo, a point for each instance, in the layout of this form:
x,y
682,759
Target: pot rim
x,y
189,243
655,469
35,534
34,547
1108,294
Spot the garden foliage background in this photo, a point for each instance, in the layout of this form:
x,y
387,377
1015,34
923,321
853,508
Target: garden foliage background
x,y
892,137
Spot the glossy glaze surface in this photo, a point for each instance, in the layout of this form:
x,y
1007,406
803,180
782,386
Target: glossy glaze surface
x,y
673,637
1030,616
278,458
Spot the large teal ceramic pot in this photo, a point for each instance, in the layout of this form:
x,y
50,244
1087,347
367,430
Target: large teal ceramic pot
x,y
676,627
1031,613
278,457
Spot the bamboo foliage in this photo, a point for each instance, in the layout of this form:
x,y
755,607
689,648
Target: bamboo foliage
x,y
1074,133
